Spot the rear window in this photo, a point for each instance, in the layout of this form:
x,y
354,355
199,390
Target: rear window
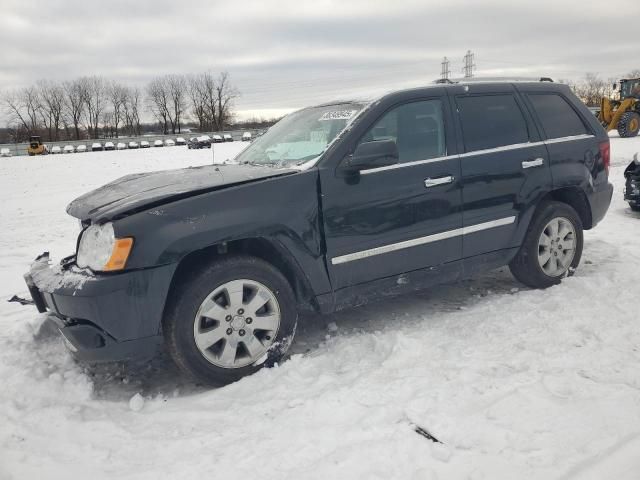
x,y
558,118
491,121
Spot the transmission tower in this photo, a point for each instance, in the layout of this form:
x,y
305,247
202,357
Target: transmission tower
x,y
445,72
468,64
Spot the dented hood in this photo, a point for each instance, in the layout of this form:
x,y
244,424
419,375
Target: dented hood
x,y
145,190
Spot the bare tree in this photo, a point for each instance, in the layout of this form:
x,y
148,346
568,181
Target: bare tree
x,y
212,99
52,99
197,100
95,101
225,93
22,107
176,85
635,73
158,101
117,99
74,104
131,109
209,98
591,89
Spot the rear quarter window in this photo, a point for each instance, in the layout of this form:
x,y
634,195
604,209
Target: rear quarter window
x,y
558,118
491,121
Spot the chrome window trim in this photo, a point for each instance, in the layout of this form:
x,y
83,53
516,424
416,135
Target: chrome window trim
x,y
392,247
515,146
408,164
582,136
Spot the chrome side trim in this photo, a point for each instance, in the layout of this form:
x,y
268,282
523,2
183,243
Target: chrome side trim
x,y
568,139
504,148
392,247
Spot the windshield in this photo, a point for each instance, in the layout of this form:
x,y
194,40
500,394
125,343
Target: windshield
x,y
300,136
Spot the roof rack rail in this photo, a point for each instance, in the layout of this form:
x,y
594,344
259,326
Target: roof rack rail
x,y
492,79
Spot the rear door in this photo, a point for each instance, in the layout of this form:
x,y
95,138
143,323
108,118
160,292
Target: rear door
x,y
572,146
400,218
504,165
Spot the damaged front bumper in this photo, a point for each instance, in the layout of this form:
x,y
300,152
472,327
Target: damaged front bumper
x,y
102,317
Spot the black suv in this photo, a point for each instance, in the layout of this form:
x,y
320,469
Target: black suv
x,y
333,206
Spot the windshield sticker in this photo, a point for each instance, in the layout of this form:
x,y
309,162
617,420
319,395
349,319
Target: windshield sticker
x,y
337,115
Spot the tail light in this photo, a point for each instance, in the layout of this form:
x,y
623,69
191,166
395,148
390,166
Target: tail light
x,y
605,153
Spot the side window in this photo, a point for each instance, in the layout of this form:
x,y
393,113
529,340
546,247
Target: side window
x,y
491,121
417,128
558,118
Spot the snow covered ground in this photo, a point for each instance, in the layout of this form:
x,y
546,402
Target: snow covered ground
x,y
516,383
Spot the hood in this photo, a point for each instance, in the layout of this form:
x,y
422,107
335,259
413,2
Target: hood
x,y
145,190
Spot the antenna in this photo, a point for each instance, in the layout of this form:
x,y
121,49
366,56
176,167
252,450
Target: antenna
x,y
468,64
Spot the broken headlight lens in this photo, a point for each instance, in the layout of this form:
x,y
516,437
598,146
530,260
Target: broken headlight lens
x,y
96,246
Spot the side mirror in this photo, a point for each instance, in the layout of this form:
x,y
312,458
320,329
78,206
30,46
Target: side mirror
x,y
615,87
380,153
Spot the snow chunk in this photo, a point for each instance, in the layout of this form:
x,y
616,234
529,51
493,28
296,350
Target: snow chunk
x,y
49,277
136,403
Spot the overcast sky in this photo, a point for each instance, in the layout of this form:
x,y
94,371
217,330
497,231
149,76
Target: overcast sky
x,y
285,54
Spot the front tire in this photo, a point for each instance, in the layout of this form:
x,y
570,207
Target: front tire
x,y
229,319
634,207
552,247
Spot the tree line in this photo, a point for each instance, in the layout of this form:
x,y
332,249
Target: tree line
x,y
95,107
592,88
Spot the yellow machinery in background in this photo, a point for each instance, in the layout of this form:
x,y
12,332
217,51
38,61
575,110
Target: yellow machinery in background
x,y
36,147
624,114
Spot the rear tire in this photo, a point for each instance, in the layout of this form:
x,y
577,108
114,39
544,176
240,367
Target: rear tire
x,y
212,328
629,124
552,246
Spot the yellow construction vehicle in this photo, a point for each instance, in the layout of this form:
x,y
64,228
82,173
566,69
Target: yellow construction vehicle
x,y
36,147
623,114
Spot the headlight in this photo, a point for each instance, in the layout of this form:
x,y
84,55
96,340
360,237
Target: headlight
x,y
100,250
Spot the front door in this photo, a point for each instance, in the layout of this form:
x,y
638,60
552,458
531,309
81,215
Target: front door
x,y
399,218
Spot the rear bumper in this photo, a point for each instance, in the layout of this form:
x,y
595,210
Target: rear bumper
x,y
103,317
599,200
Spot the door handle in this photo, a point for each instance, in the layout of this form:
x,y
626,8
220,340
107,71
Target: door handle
x,y
538,162
433,182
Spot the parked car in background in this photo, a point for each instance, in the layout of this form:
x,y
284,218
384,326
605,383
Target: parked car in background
x,y
56,149
217,139
81,148
246,137
97,147
180,141
196,143
121,146
109,146
69,149
169,143
144,144
227,137
158,143
133,145
5,152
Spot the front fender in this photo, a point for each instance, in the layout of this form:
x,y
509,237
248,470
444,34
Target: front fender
x,y
282,209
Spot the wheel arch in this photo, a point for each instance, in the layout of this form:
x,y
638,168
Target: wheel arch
x,y
576,199
269,250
